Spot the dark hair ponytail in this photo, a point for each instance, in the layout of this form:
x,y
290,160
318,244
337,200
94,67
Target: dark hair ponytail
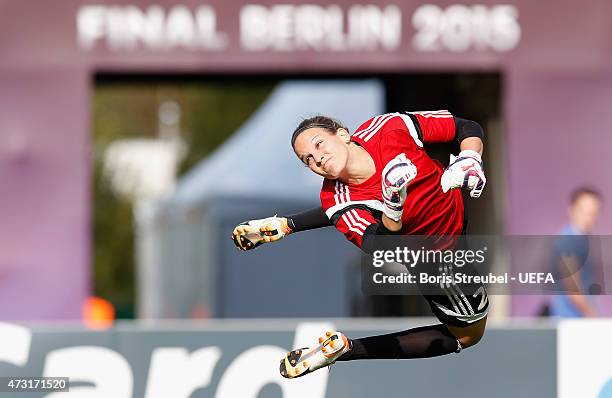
x,y
320,121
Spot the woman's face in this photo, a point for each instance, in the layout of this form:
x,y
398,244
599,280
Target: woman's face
x,y
323,152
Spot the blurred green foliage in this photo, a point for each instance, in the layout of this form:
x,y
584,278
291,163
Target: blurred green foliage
x,y
211,112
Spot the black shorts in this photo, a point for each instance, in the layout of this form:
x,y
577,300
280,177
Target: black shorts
x,y
458,304
455,304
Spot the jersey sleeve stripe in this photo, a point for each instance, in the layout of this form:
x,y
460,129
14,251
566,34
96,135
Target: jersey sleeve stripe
x,y
415,123
371,134
443,114
337,192
359,218
350,226
355,223
437,116
374,120
380,126
424,113
338,197
412,129
342,193
370,127
372,204
376,127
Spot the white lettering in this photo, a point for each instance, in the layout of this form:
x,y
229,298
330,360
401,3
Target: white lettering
x,y
319,28
90,25
124,28
180,28
14,344
253,376
108,371
333,29
148,27
505,31
206,25
253,29
174,372
283,15
461,28
536,277
457,35
310,21
100,372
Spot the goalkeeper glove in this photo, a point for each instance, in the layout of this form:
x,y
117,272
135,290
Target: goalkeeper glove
x,y
464,171
251,234
395,178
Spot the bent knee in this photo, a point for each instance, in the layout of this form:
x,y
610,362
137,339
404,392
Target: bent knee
x,y
470,335
470,340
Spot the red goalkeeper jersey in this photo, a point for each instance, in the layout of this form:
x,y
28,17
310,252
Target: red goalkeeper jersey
x,y
427,210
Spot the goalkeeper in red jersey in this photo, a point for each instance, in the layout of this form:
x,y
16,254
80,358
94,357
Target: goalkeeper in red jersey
x,y
380,181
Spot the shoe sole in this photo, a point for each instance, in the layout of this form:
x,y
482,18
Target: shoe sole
x,y
295,364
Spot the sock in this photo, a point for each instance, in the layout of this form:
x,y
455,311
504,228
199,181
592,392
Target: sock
x,y
422,342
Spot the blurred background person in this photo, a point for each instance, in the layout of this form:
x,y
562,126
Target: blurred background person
x,y
572,261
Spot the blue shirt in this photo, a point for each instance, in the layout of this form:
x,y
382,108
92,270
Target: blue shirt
x,y
571,242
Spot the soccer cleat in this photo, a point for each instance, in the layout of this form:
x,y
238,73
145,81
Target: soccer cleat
x,y
305,360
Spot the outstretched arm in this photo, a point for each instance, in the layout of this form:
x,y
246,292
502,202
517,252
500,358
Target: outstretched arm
x,y
251,234
309,219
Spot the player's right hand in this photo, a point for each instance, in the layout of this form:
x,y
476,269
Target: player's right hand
x,y
396,176
250,234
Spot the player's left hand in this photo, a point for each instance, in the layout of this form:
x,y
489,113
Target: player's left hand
x,y
464,171
250,234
